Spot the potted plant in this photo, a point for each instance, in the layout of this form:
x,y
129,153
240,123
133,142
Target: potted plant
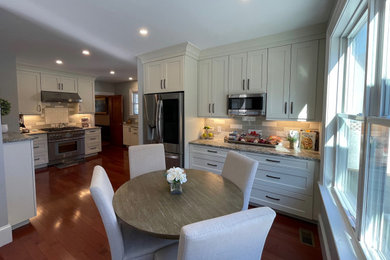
x,y
5,109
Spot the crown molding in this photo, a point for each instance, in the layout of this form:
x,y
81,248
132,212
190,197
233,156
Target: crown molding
x,y
185,48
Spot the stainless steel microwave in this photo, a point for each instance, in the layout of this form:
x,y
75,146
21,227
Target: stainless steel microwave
x,y
247,104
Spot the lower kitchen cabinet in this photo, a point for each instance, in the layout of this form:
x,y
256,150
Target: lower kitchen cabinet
x,y
41,157
20,182
282,183
130,135
93,141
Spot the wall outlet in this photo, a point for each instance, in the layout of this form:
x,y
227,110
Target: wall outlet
x,y
236,126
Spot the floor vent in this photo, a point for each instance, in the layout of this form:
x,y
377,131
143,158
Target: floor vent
x,y
306,237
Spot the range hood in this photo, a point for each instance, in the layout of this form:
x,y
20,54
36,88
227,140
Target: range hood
x,y
61,97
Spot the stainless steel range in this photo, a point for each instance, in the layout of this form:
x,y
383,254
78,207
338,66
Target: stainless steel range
x,y
65,145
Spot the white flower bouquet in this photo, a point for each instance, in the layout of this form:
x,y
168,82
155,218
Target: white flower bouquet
x,y
176,175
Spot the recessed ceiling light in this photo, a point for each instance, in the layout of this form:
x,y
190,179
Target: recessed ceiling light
x,y
112,72
130,78
59,62
143,31
86,52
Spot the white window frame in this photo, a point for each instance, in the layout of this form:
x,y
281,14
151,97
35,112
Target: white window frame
x,y
132,103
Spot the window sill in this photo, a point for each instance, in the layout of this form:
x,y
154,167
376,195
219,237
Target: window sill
x,y
341,232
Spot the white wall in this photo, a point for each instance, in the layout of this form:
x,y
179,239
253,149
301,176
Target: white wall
x,y
125,89
8,89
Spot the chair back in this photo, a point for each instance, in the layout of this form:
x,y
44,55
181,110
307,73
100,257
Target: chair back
x,y
146,158
102,193
241,170
240,235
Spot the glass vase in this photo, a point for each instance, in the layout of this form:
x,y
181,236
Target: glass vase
x,y
176,188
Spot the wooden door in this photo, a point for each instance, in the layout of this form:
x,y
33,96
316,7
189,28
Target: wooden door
x,y
257,72
220,86
204,86
303,85
237,73
116,119
278,82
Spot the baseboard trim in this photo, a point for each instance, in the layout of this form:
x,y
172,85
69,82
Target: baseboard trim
x,y
5,235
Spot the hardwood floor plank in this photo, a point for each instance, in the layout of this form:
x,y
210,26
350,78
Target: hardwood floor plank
x,y
68,224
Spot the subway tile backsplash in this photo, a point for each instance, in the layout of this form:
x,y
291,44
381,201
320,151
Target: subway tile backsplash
x,y
53,114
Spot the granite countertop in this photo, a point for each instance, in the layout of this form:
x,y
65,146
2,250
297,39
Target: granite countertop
x,y
36,132
91,127
15,137
279,150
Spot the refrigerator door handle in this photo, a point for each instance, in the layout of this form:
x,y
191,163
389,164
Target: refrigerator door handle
x,y
159,120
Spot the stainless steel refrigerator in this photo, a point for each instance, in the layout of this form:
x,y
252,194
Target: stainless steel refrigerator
x,y
164,123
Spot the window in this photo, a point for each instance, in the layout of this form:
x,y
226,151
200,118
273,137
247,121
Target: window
x,y
357,126
135,103
350,123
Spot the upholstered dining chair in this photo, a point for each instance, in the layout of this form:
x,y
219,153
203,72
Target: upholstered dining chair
x,y
125,241
240,235
241,170
146,158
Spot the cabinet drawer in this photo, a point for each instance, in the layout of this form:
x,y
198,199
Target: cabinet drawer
x,y
289,202
215,152
92,138
40,138
93,149
94,131
280,161
41,158
295,181
207,165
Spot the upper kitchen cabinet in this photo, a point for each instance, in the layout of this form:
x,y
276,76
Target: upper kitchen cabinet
x,y
59,83
164,76
292,81
248,72
86,90
29,93
213,87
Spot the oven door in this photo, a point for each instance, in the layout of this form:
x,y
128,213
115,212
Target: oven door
x,y
247,105
60,150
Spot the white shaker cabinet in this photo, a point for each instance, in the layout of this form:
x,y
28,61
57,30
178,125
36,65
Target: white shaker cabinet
x,y
20,182
164,76
93,141
59,83
292,81
29,92
213,87
86,90
41,156
248,72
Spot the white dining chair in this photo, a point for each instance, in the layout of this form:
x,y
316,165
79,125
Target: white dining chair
x,y
125,241
240,235
240,170
146,158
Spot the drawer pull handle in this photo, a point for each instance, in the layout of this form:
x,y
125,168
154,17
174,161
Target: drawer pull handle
x,y
275,161
211,151
92,139
272,177
92,148
210,164
37,159
268,197
35,147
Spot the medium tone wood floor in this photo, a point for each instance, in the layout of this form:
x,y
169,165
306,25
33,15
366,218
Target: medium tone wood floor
x,y
68,225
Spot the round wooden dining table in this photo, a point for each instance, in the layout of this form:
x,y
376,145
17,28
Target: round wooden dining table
x,y
146,203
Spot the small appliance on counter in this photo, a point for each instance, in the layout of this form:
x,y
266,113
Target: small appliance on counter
x,y
22,127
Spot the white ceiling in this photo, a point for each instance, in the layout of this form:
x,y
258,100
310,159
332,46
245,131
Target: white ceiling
x,y
40,31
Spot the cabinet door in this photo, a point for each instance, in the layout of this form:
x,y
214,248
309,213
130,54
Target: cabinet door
x,y
86,91
219,86
173,71
303,80
204,88
153,77
237,73
278,82
126,135
50,82
134,136
257,72
29,84
68,84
